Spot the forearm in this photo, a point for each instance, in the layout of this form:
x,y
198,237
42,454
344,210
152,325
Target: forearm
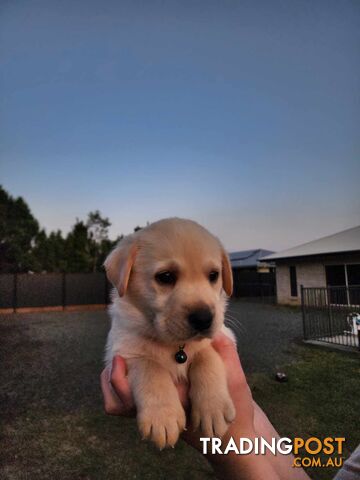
x,y
244,467
251,466
283,464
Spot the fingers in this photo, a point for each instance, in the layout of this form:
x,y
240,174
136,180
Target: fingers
x,y
118,399
238,387
120,383
115,388
112,403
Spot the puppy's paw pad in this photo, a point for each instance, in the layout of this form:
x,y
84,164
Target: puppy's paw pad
x,y
213,418
162,425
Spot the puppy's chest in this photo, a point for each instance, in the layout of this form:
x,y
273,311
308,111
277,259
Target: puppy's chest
x,y
179,372
166,358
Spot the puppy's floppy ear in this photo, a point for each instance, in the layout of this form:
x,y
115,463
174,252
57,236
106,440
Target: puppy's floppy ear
x,y
119,263
227,277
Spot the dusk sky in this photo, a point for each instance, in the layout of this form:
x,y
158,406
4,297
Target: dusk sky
x,y
242,115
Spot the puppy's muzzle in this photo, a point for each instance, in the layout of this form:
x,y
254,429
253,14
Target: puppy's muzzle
x,y
200,319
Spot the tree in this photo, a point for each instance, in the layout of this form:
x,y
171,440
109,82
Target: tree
x,y
18,231
24,247
78,251
50,252
98,229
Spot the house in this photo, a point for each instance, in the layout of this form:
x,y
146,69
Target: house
x,y
252,278
332,261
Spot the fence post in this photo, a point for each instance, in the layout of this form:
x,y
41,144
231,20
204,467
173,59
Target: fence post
x,y
303,310
106,290
329,310
15,292
63,290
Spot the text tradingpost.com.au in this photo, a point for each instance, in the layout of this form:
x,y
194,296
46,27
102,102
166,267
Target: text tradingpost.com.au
x,y
309,449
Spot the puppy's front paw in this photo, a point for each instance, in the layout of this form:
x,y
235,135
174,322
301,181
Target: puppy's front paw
x,y
211,412
162,424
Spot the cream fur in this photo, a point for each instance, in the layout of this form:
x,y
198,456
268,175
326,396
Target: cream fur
x,y
149,322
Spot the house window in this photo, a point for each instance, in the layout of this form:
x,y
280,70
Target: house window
x,y
293,282
353,274
335,275
345,276
353,279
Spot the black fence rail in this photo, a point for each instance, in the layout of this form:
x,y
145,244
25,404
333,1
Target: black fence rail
x,y
26,290
255,292
331,315
253,285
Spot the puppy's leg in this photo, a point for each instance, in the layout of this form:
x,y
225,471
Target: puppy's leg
x,y
211,406
160,415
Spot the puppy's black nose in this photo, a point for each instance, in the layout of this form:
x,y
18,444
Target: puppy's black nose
x,y
200,319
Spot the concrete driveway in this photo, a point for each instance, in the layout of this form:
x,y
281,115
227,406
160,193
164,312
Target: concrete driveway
x,y
265,333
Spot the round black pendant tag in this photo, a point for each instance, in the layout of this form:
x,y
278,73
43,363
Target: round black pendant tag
x,y
180,356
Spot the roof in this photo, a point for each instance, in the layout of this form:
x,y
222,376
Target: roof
x,y
345,241
247,258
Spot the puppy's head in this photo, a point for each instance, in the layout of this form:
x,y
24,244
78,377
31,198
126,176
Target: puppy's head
x,y
177,275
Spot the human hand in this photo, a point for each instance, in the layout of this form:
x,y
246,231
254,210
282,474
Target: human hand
x,y
243,424
118,399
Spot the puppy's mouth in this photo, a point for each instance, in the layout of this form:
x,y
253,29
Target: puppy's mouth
x,y
180,327
202,335
181,334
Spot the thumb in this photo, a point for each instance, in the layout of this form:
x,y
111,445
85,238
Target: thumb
x,y
120,383
226,348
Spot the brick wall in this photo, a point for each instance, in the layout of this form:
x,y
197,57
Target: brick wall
x,y
307,274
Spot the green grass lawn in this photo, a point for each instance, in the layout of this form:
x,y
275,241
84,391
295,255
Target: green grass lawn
x,y
321,399
53,425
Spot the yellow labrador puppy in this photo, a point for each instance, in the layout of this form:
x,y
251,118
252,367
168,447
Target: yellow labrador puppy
x,y
172,280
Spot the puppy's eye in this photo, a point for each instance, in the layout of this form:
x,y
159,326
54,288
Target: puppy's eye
x,y
213,276
166,278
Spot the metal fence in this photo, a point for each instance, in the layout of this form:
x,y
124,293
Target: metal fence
x,y
331,315
255,292
250,284
26,290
